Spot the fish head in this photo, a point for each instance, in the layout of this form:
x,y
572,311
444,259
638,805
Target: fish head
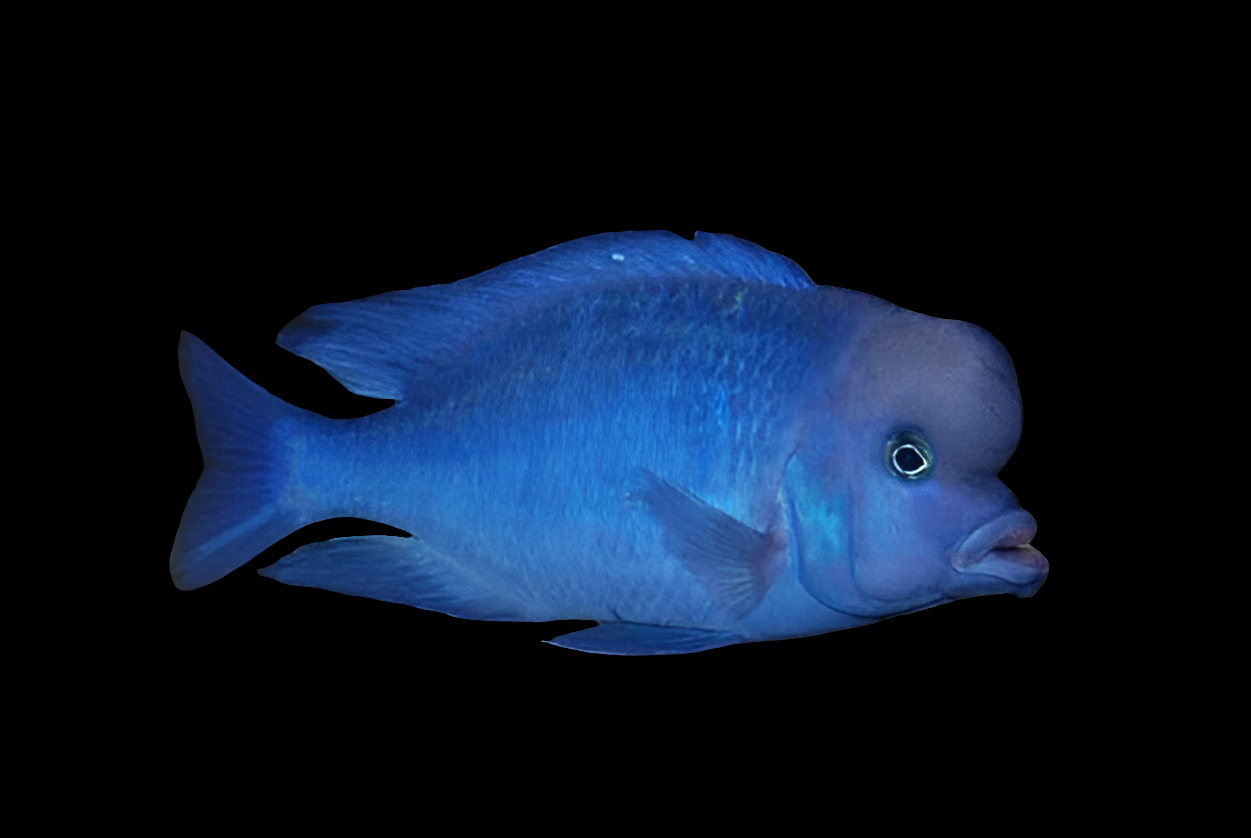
x,y
893,491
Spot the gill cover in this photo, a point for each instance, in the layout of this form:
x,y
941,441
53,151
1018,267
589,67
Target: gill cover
x,y
896,468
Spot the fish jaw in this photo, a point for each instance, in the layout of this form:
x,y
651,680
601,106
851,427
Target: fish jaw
x,y
1001,548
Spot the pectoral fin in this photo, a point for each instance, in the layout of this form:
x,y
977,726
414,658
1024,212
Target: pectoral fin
x,y
735,563
636,639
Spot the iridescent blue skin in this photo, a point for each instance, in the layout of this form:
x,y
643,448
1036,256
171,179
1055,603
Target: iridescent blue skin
x,y
687,442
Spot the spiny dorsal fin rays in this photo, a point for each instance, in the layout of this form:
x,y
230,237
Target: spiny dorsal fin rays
x,y
375,346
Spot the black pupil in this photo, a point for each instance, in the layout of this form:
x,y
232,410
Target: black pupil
x,y
908,459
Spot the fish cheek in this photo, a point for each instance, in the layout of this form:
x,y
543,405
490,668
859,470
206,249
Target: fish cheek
x,y
899,542
819,506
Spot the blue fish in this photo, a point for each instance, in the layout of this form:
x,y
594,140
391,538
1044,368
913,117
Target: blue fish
x,y
686,441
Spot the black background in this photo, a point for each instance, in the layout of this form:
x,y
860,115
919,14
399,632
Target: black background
x,y
240,248
240,293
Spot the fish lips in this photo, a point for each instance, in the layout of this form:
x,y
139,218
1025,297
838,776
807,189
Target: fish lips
x,y
1002,549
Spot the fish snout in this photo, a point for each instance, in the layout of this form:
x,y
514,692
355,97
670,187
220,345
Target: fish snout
x,y
1002,548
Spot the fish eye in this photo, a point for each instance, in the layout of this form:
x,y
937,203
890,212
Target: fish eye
x,y
908,455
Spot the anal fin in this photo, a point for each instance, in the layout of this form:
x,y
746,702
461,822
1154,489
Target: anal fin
x,y
402,570
636,639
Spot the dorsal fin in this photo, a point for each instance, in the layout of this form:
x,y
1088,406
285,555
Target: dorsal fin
x,y
374,346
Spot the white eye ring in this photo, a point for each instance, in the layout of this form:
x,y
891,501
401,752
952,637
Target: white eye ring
x,y
894,458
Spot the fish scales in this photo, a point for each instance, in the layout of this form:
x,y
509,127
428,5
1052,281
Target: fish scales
x,y
687,442
592,389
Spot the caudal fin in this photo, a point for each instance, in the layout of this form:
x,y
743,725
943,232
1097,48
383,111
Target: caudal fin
x,y
237,508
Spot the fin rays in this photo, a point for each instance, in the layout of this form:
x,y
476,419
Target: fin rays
x,y
382,345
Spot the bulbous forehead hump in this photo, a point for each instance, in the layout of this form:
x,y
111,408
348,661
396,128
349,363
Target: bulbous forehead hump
x,y
950,378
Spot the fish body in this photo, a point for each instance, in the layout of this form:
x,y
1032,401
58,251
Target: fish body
x,y
688,442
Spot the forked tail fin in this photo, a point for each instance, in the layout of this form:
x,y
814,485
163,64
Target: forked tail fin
x,y
239,506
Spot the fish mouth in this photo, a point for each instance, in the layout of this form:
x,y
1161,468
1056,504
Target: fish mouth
x,y
1002,549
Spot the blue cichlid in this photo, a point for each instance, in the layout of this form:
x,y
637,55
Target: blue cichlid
x,y
689,442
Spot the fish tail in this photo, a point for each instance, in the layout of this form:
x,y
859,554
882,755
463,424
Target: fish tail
x,y
240,505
